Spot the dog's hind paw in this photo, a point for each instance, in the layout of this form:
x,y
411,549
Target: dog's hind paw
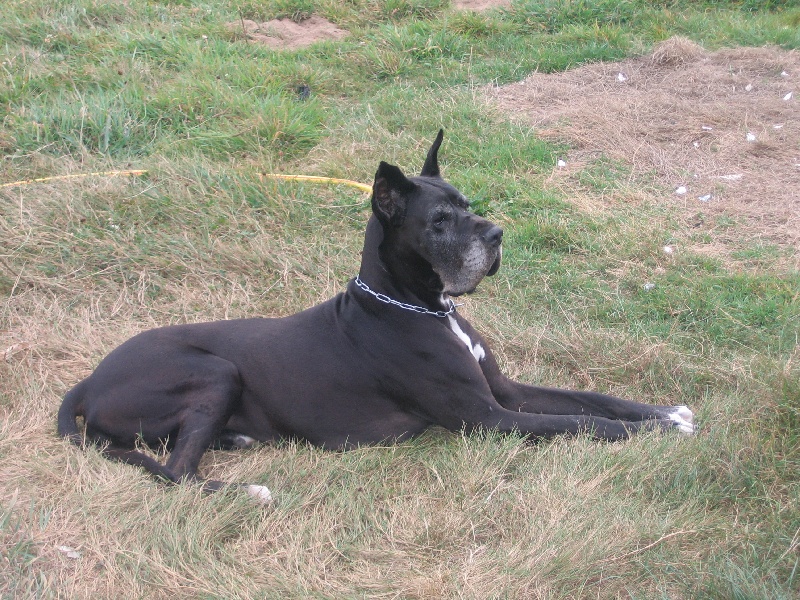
x,y
683,418
260,493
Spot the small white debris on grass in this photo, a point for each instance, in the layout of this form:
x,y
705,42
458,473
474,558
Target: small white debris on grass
x,y
734,177
681,190
784,74
751,137
260,493
707,128
778,126
14,349
561,163
705,198
69,552
621,77
648,286
669,249
748,87
788,96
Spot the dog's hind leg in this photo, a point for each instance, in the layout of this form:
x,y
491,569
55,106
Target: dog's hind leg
x,y
134,457
206,409
185,402
202,424
194,436
204,413
138,459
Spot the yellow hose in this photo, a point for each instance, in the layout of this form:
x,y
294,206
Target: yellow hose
x,y
127,173
313,178
361,186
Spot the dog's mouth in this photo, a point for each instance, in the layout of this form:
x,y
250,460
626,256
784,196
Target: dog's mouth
x,y
496,264
492,270
467,281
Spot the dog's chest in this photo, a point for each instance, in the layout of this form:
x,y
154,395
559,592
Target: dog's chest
x,y
475,348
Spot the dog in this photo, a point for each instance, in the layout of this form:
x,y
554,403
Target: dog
x,y
380,362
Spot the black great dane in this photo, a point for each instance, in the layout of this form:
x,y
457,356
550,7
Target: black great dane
x,y
380,362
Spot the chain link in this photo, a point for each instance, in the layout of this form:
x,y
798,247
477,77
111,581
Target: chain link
x,y
412,307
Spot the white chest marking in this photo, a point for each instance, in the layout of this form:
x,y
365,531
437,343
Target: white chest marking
x,y
476,349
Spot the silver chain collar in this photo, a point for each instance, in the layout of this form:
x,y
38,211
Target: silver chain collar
x,y
412,307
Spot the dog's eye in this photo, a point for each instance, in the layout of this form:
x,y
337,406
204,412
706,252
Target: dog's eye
x,y
438,220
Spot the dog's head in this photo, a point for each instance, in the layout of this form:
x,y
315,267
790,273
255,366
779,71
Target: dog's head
x,y
428,228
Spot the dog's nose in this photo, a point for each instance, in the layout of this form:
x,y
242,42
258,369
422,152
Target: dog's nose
x,y
493,235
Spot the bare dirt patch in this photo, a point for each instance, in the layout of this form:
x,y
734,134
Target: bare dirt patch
x,y
715,131
285,34
479,5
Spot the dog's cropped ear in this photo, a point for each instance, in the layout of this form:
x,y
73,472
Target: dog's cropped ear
x,y
431,166
389,194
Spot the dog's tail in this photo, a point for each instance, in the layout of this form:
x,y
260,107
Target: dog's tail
x,y
71,409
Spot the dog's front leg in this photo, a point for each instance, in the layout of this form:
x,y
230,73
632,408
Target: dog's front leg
x,y
519,397
473,407
541,400
544,426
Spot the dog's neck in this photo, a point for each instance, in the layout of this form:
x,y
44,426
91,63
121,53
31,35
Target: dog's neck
x,y
377,272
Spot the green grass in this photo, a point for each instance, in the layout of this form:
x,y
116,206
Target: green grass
x,y
168,87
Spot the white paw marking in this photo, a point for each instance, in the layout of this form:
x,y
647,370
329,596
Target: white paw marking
x,y
260,493
685,413
244,441
476,349
684,418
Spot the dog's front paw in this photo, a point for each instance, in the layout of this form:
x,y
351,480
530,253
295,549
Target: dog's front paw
x,y
260,493
683,419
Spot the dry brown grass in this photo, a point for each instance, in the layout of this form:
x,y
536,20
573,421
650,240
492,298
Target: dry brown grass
x,y
681,118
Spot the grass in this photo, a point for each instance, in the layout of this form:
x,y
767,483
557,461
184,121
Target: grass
x,y
85,263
